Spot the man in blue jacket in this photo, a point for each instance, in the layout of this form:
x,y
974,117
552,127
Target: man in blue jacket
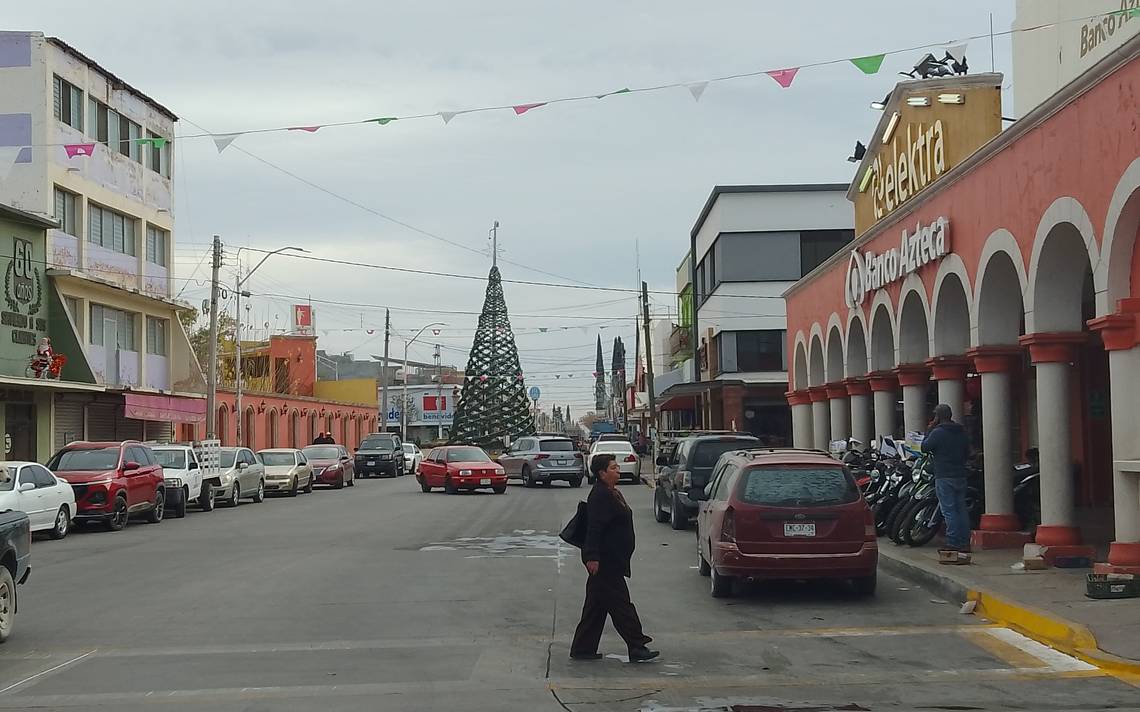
x,y
949,447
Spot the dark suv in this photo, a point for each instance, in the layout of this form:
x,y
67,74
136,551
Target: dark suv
x,y
685,472
380,455
112,480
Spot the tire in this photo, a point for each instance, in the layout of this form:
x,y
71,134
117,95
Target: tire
x,y
424,486
720,586
527,481
235,495
576,482
293,488
62,523
158,511
893,519
259,495
117,520
339,482
179,502
659,513
206,497
449,487
703,567
677,519
917,533
309,485
501,489
7,603
865,585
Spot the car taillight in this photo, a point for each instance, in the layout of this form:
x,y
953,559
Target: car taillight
x,y
869,532
728,526
541,456
631,458
577,456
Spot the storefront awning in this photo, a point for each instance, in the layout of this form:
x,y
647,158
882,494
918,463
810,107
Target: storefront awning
x,y
679,403
178,409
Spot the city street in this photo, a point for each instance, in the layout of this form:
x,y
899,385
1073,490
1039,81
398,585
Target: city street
x,y
381,597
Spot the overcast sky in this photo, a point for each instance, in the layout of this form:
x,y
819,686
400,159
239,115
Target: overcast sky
x,y
573,185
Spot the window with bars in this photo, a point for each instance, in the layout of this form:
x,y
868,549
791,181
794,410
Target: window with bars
x,y
67,211
156,336
156,239
106,321
67,102
112,230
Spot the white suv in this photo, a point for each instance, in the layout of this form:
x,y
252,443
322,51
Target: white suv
x,y
188,478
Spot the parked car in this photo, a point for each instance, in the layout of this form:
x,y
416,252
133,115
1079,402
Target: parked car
x,y
15,565
243,477
412,458
112,481
461,467
628,461
331,465
31,488
188,479
684,474
286,470
542,460
612,437
784,514
380,454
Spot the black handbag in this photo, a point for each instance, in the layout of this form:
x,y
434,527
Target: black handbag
x,y
574,533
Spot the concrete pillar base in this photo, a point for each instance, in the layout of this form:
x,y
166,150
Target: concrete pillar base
x,y
985,540
1000,523
1057,535
1122,553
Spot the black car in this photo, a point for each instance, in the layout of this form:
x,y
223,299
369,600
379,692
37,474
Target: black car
x,y
685,471
380,455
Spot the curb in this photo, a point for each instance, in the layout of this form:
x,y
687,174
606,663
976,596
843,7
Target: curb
x,y
1058,633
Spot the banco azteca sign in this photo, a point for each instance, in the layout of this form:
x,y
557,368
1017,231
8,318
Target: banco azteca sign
x,y
869,272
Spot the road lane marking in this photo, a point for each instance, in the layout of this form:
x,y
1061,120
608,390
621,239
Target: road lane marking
x,y
41,673
1002,650
1054,659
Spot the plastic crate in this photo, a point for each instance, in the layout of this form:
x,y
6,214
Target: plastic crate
x,y
1112,586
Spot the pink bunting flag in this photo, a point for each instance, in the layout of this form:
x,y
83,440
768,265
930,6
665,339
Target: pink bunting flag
x,y
79,149
310,129
784,77
523,108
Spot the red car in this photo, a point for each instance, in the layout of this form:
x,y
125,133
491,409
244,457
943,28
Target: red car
x,y
461,467
331,465
784,514
112,480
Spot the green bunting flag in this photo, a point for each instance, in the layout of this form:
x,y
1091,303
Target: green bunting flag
x,y
157,141
869,65
383,121
627,90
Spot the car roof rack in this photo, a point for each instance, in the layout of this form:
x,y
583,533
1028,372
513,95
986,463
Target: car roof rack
x,y
756,451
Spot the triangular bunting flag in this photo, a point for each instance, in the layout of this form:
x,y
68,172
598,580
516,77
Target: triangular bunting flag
x,y
8,156
870,64
542,329
156,141
523,108
222,141
310,129
79,149
447,116
958,51
784,77
384,120
696,89
611,93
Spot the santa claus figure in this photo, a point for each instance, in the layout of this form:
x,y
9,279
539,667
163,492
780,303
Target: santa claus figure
x,y
41,362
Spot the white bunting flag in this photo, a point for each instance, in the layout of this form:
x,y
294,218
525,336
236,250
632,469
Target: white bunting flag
x,y
696,89
447,116
8,156
222,141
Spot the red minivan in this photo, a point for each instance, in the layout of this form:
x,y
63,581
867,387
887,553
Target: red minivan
x,y
112,480
784,514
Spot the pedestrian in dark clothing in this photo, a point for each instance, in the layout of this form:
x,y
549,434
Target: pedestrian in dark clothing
x,y
948,444
607,552
324,439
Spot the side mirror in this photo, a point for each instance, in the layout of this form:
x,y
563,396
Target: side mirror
x,y
242,465
27,486
130,466
193,466
662,460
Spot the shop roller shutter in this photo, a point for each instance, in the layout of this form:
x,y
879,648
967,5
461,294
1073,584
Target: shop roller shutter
x,y
68,420
101,421
155,430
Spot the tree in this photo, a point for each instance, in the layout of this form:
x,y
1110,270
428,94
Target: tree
x,y
493,406
587,421
600,379
199,335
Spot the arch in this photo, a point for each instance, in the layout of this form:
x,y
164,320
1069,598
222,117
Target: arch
x,y
816,372
312,429
343,430
248,432
800,366
271,428
999,291
834,368
950,313
913,322
295,428
1065,238
1121,228
882,336
856,344
223,425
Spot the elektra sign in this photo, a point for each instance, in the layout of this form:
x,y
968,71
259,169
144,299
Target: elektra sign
x,y
868,272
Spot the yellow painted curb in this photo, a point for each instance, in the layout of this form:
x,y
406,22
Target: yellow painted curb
x,y
1068,637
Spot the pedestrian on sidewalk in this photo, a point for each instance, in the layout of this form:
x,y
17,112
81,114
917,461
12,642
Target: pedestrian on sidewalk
x,y
607,553
948,444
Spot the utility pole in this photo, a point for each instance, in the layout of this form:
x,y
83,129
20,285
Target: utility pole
x,y
648,357
439,393
495,244
237,354
384,382
212,367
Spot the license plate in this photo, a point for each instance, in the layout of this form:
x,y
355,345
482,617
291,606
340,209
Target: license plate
x,y
563,463
799,529
371,462
485,481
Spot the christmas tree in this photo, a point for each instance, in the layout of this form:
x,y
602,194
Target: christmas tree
x,y
493,408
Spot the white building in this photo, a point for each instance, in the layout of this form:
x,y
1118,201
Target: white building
x,y
96,154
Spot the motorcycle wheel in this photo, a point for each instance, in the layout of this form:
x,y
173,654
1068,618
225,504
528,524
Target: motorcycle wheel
x,y
917,532
882,513
897,522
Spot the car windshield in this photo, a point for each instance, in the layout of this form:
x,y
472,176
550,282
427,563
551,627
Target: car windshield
x,y
467,454
798,486
103,458
613,446
7,478
277,459
555,446
322,452
409,448
228,457
376,444
174,459
707,453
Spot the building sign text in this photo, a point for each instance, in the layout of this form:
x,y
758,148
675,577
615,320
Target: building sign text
x,y
868,272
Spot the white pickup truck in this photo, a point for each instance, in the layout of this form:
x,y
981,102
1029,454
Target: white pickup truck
x,y
191,473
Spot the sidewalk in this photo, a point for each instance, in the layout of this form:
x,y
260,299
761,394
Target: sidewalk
x,y
1049,605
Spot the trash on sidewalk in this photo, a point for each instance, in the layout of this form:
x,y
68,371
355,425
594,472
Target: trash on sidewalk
x,y
968,607
1104,586
953,557
1035,563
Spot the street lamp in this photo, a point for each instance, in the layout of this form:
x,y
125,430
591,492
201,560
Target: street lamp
x,y
404,397
238,294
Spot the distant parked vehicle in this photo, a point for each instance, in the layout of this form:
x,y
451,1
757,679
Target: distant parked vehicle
x,y
243,477
331,465
187,478
15,565
542,460
112,481
461,467
412,458
685,472
628,461
286,471
31,488
380,454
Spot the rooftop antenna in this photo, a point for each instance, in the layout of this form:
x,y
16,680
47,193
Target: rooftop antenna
x,y
494,238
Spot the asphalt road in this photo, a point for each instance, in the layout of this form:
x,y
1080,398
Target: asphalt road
x,y
380,597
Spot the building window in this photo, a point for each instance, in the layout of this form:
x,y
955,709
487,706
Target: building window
x,y
751,351
156,336
158,158
72,305
818,245
67,103
112,230
107,321
116,131
67,211
156,239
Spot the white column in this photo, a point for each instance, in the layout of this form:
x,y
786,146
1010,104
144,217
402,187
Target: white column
x,y
1053,423
820,424
840,418
1124,372
915,411
862,427
884,413
801,425
951,391
997,445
